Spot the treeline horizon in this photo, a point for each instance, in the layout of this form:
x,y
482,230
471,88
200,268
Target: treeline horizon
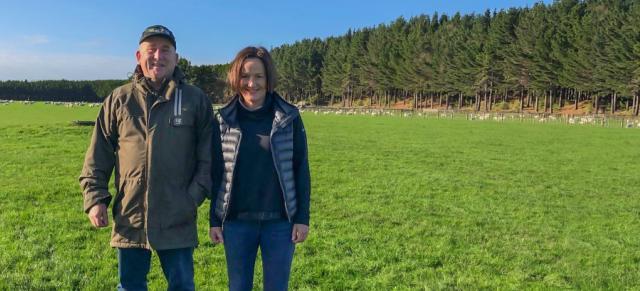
x,y
539,59
207,77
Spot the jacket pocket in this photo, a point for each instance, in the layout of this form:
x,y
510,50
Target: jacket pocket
x,y
129,207
182,210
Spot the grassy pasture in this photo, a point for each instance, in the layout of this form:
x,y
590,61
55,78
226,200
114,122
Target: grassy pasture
x,y
397,203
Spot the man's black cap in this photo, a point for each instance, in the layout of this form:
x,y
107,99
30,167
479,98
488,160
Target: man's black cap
x,y
158,30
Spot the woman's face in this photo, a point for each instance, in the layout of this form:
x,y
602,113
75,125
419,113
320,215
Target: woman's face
x,y
253,82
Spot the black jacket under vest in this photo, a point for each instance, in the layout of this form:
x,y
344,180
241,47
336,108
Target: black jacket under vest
x,y
290,160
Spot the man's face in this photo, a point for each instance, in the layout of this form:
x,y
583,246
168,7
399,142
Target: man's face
x,y
157,57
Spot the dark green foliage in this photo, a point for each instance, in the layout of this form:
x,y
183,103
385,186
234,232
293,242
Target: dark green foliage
x,y
210,78
58,90
569,50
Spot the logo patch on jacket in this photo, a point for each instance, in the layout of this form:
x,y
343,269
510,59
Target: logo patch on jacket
x,y
176,121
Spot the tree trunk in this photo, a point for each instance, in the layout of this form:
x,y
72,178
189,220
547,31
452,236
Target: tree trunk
x,y
491,98
614,100
521,101
537,104
504,98
431,102
486,101
597,106
626,108
386,98
577,100
460,101
551,101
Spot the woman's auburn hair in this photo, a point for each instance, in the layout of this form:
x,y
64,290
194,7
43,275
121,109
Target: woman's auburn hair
x,y
233,76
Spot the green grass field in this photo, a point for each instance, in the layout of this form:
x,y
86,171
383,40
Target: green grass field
x,y
397,203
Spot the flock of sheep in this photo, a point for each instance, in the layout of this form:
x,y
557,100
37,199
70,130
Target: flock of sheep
x,y
625,122
65,104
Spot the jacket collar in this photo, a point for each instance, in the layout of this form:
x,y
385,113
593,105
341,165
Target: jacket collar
x,y
284,111
177,79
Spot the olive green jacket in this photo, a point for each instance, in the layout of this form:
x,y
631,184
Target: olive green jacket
x,y
162,159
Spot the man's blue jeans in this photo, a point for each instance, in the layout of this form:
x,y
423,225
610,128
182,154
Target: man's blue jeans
x,y
134,265
241,242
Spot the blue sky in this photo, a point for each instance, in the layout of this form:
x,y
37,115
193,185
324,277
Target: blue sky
x,y
97,39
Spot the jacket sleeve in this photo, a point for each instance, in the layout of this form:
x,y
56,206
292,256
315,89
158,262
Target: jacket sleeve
x,y
217,170
301,172
100,158
200,187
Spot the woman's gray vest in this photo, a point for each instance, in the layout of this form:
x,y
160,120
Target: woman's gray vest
x,y
281,150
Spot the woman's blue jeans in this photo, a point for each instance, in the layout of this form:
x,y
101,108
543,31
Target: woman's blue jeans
x,y
241,242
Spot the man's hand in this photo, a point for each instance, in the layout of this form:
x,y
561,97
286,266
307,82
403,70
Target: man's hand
x,y
98,215
299,233
215,233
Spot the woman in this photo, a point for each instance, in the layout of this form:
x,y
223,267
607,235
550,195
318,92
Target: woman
x,y
263,199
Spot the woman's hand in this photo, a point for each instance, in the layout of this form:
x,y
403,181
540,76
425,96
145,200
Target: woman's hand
x,y
215,233
299,233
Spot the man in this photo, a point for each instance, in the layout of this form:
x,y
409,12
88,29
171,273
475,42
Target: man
x,y
157,133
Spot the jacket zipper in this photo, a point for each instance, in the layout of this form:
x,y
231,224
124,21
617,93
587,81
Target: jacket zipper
x,y
146,170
